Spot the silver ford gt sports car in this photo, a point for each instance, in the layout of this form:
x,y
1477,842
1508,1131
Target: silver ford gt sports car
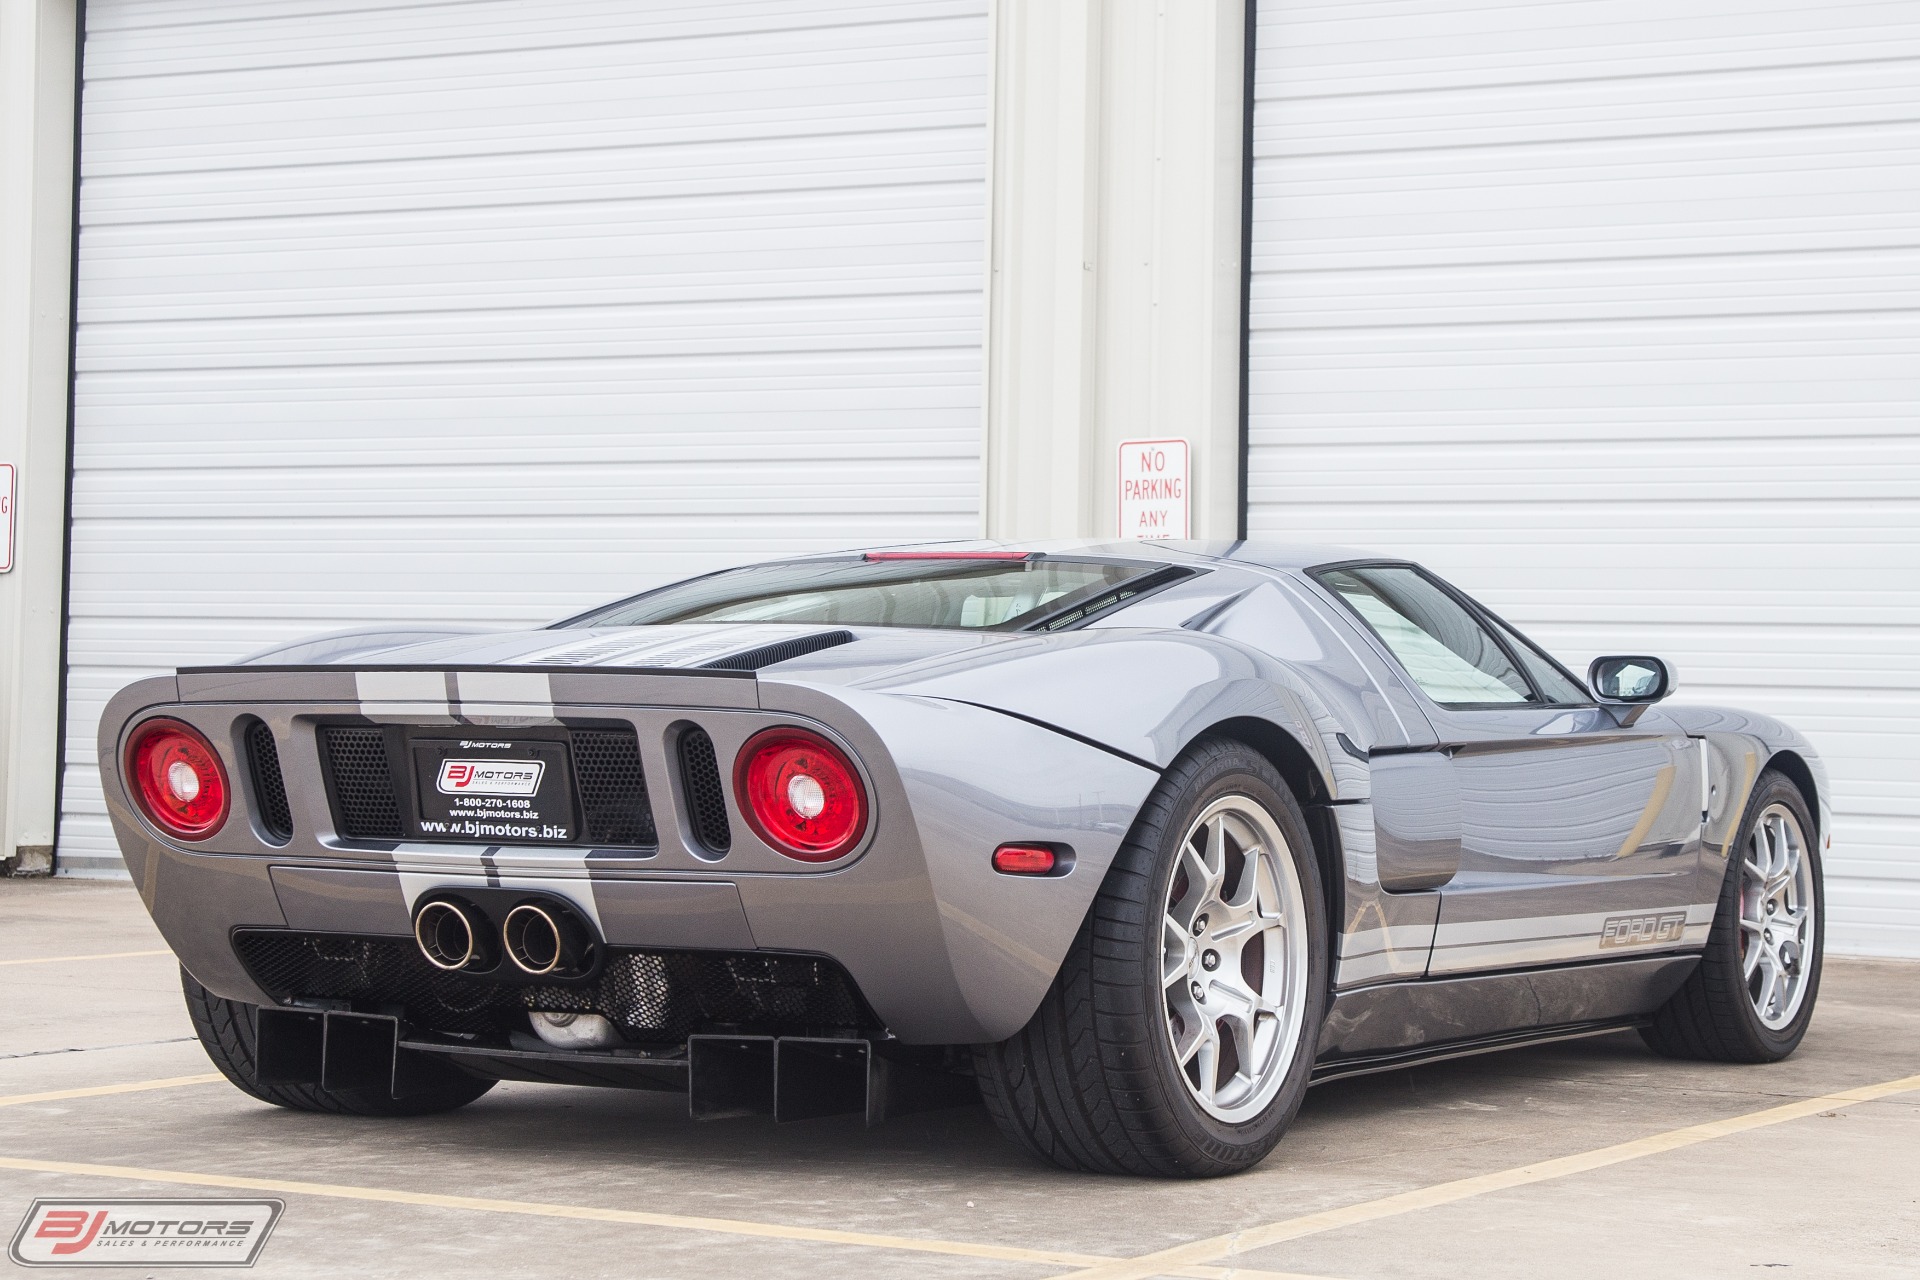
x,y
1137,840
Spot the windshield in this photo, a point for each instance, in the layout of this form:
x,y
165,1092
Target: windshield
x,y
886,591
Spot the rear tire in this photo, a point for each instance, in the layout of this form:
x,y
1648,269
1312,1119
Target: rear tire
x,y
226,1031
1728,1011
1134,1064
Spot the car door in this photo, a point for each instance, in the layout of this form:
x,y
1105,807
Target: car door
x,y
1579,826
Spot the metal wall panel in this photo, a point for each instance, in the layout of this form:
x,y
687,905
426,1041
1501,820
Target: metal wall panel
x,y
1610,311
482,312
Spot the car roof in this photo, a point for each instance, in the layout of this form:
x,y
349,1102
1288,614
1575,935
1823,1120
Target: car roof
x,y
1260,553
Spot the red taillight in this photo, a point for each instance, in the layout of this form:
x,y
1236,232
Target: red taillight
x,y
1024,860
177,779
801,794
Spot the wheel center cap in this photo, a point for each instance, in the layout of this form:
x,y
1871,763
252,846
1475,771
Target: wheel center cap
x,y
1210,961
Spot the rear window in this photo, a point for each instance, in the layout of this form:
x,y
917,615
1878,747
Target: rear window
x,y
971,594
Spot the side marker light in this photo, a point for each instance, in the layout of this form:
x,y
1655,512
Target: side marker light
x,y
1024,860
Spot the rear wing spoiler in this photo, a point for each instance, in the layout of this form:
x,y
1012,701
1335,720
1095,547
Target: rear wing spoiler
x,y
473,690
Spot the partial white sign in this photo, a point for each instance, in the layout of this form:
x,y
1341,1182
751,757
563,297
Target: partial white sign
x,y
6,516
1154,489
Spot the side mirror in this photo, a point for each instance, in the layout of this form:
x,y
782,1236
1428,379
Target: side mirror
x,y
1635,680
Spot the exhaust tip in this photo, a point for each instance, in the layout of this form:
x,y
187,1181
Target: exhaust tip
x,y
544,942
446,935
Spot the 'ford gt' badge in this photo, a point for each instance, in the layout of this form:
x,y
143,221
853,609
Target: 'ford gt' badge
x,y
490,777
1645,930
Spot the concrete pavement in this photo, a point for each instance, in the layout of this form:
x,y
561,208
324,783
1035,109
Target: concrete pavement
x,y
537,1180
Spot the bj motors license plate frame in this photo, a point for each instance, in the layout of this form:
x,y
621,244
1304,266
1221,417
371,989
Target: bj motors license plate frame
x,y
497,788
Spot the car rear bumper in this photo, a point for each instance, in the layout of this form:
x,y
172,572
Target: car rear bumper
x,y
939,947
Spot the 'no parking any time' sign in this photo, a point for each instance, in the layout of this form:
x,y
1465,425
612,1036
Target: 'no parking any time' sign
x,y
1153,489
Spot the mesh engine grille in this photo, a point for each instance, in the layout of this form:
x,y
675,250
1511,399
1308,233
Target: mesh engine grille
x,y
269,787
656,997
706,797
362,782
613,790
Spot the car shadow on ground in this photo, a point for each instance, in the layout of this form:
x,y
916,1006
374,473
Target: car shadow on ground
x,y
549,1129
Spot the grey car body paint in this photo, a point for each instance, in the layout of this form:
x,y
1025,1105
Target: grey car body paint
x,y
1416,818
965,739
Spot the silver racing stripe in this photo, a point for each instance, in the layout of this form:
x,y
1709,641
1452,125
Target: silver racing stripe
x,y
505,698
566,878
387,697
499,698
1528,940
1395,951
670,646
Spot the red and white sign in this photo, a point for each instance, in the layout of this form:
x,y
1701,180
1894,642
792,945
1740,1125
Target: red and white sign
x,y
1154,489
490,777
6,516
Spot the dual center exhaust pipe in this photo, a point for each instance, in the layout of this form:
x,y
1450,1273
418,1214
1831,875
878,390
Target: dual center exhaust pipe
x,y
540,938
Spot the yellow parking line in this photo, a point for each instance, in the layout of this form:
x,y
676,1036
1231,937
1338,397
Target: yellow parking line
x,y
103,955
1170,1261
102,1090
589,1213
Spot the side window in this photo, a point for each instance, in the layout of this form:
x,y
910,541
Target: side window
x,y
1555,685
1446,651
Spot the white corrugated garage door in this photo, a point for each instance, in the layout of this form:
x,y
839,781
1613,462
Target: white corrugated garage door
x,y
484,311
1611,312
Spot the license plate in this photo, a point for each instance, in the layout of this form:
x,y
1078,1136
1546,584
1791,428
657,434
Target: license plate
x,y
494,790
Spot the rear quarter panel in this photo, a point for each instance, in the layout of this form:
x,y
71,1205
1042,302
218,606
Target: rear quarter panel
x,y
945,947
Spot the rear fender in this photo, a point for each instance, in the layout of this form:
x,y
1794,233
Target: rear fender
x,y
946,949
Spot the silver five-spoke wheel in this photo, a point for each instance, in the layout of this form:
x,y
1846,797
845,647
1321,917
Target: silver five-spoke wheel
x,y
1751,997
1234,958
1179,1036
1776,915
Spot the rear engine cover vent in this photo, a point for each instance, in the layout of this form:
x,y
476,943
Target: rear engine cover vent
x,y
706,793
780,651
363,794
269,786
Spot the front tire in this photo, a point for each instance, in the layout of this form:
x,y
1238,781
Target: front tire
x,y
226,1031
1752,997
1179,1035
